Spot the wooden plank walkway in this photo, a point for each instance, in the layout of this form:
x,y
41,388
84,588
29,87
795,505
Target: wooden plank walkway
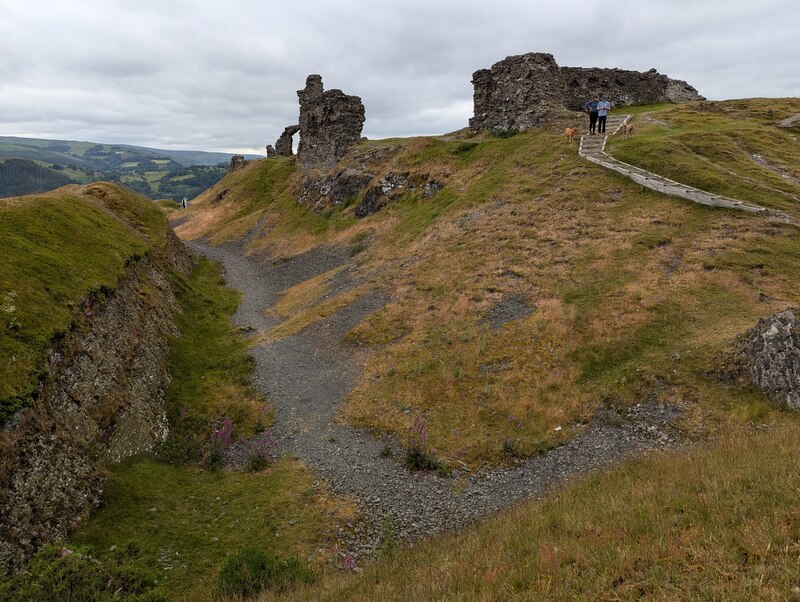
x,y
593,148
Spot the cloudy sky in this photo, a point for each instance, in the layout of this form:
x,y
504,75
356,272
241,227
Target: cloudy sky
x,y
223,75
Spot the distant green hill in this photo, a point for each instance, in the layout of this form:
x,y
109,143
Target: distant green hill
x,y
21,176
153,172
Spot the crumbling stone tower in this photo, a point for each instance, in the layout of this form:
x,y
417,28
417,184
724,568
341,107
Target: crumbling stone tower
x,y
330,122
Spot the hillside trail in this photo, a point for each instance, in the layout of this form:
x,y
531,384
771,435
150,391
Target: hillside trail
x,y
593,148
308,374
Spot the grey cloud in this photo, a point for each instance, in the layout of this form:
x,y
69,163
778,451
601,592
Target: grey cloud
x,y
224,76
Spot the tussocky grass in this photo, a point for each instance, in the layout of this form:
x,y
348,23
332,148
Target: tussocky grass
x,y
719,521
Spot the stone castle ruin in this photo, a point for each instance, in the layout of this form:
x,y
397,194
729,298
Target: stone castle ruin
x,y
330,122
517,93
522,91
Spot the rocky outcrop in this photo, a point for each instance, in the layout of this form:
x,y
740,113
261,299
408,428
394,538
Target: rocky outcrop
x,y
335,189
104,401
237,162
283,146
767,357
773,349
330,122
391,187
520,92
271,152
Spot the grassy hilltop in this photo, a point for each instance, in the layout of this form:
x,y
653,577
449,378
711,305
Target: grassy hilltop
x,y
59,249
633,292
635,296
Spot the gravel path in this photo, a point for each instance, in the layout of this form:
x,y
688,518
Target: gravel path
x,y
306,375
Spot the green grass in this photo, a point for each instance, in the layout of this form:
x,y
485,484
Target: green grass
x,y
187,521
733,148
57,252
168,204
209,367
717,522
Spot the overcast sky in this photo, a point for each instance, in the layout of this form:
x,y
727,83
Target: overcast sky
x,y
223,75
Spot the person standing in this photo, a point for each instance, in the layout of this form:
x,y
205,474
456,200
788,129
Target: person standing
x,y
602,112
591,107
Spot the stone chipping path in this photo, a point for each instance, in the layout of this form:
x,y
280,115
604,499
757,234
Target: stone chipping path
x,y
308,375
592,148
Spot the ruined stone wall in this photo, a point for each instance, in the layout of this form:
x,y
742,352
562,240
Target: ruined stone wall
x,y
622,87
283,146
520,92
330,122
237,162
105,401
517,93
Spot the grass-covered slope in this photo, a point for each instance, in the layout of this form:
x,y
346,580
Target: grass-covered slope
x,y
59,249
169,520
709,523
634,294
734,148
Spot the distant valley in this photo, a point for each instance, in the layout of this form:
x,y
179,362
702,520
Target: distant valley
x,y
32,165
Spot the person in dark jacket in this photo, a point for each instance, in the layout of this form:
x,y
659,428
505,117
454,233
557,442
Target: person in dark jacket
x,y
603,107
591,108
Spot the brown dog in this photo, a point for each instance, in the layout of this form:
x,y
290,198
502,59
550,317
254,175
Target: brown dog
x,y
570,133
627,130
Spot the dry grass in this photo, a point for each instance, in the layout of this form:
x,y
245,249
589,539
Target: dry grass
x,y
315,313
304,295
714,523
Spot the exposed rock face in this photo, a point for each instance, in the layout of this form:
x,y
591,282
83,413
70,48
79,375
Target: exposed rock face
x,y
283,146
334,189
391,187
520,92
330,122
50,491
105,401
271,152
237,162
774,357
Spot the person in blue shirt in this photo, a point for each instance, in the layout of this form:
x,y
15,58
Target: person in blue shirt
x,y
602,112
591,108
